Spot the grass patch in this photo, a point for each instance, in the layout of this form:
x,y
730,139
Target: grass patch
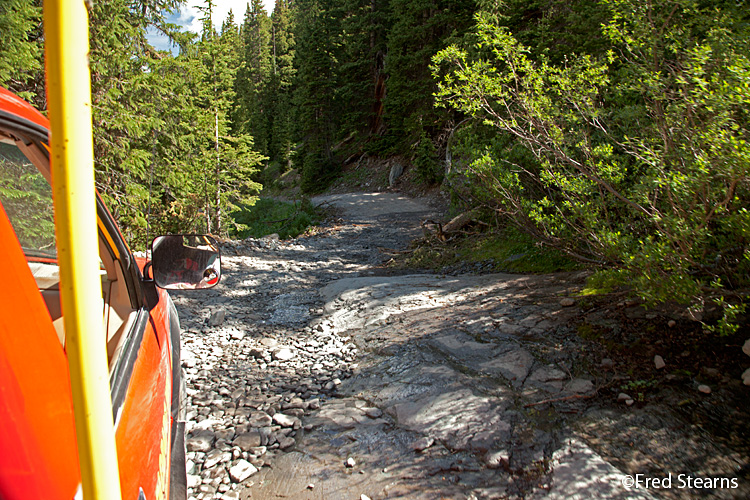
x,y
269,216
503,250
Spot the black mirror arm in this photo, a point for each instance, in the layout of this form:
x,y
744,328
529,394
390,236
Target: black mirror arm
x,y
146,270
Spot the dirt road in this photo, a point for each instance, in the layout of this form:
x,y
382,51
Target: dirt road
x,y
316,373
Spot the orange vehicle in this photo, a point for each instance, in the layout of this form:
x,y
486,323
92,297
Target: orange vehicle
x,y
38,446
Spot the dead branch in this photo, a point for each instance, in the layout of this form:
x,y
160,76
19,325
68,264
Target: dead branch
x,y
555,400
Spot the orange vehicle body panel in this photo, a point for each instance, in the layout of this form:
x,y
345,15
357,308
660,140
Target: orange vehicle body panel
x,y
39,458
12,104
143,433
38,454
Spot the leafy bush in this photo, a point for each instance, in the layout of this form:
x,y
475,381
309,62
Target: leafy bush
x,y
317,173
428,167
268,216
636,161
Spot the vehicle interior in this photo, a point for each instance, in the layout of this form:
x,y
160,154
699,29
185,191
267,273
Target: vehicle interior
x,y
27,199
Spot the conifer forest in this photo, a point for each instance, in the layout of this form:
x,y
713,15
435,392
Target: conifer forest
x,y
615,131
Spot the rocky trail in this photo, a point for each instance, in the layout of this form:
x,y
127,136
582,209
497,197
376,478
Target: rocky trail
x,y
314,372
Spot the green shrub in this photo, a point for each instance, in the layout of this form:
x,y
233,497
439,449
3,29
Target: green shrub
x,y
426,163
317,173
639,163
269,216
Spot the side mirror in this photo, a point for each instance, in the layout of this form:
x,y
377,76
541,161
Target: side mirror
x,y
185,261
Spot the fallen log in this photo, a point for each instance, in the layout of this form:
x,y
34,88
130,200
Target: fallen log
x,y
455,225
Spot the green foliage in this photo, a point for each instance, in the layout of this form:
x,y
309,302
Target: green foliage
x,y
426,162
317,173
20,47
420,28
318,34
640,388
280,90
554,29
638,157
165,158
26,197
505,249
268,216
253,115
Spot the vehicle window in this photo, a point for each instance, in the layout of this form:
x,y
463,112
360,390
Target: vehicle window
x,y
27,199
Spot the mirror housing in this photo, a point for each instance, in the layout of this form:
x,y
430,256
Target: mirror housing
x,y
185,261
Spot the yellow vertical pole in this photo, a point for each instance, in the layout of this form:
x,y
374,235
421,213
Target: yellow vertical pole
x,y
69,96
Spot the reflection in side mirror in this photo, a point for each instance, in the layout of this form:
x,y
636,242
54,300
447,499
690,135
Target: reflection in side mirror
x,y
185,261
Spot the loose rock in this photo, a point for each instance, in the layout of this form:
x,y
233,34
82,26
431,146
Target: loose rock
x,y
248,440
422,444
241,471
659,362
201,442
283,354
285,420
286,442
374,412
217,317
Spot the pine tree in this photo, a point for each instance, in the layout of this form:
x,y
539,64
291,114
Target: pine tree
x,y
319,48
280,83
20,48
420,29
252,113
361,71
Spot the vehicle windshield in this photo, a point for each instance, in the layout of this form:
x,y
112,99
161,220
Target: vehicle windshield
x,y
27,199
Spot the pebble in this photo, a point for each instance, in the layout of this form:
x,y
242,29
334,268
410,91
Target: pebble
x,y
499,459
711,372
567,302
217,317
350,463
659,362
285,420
607,364
283,354
193,481
422,444
248,440
746,377
214,457
704,389
580,386
746,347
201,442
373,412
241,471
286,442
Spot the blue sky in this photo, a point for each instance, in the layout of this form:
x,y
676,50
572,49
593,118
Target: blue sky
x,y
189,17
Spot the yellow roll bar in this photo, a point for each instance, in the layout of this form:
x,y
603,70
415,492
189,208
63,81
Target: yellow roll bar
x,y
72,156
